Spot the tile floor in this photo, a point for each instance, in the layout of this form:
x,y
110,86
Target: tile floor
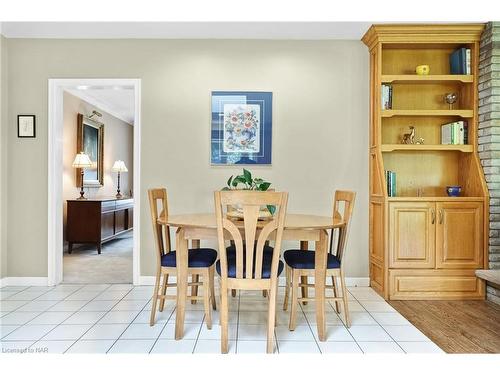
x,y
113,318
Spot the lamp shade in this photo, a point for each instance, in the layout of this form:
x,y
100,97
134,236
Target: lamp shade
x,y
119,166
82,160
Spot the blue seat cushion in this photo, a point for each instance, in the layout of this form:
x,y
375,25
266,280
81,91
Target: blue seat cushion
x,y
267,259
231,250
303,259
196,258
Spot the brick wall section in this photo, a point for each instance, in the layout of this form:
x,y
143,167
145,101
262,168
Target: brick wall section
x,y
489,138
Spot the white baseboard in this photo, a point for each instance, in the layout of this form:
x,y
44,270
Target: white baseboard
x,y
350,281
23,281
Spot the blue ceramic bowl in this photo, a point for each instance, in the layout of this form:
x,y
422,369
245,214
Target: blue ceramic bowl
x,y
453,191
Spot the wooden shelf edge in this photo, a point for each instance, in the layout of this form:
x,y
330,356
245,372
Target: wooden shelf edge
x,y
404,147
414,78
465,113
434,199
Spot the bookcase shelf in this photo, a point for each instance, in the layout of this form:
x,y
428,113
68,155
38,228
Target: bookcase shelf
x,y
464,113
423,243
405,147
413,78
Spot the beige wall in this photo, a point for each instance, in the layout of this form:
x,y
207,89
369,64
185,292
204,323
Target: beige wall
x,y
3,157
118,145
320,126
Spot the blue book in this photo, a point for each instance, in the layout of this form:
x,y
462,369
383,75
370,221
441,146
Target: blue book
x,y
458,61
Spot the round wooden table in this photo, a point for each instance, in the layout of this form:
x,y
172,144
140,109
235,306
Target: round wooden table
x,y
299,227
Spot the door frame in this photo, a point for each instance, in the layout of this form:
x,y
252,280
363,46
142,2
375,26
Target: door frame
x,y
55,170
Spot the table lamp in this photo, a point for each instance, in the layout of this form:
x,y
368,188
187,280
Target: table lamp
x,y
82,161
119,167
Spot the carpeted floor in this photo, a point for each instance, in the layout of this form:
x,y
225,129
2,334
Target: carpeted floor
x,y
113,265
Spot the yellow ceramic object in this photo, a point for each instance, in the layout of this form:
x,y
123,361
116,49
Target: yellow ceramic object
x,y
423,70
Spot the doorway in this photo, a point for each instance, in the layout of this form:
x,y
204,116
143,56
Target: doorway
x,y
101,105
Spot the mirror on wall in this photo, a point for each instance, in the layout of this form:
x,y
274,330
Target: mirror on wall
x,y
90,140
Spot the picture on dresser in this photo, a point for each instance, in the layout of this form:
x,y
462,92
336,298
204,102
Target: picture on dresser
x,y
90,140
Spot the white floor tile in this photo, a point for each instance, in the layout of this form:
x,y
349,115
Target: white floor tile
x,y
212,346
68,306
51,317
85,317
9,305
380,347
331,317
52,347
191,331
95,287
67,332
18,318
374,306
130,305
215,332
13,288
25,296
6,329
144,316
132,346
191,316
114,287
252,347
29,332
354,306
142,331
139,294
55,295
298,347
390,319
163,346
5,295
339,347
114,317
405,333
91,346
99,305
254,317
301,333
83,295
360,319
40,288
250,331
420,347
111,295
37,306
13,347
369,333
105,332
334,333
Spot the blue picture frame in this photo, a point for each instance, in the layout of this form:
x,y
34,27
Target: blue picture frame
x,y
241,127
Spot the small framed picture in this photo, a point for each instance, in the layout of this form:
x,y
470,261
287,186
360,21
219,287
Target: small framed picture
x,y
26,126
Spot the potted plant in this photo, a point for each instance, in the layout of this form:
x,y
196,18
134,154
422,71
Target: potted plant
x,y
245,181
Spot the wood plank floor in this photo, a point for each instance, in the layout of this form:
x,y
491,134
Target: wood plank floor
x,y
456,326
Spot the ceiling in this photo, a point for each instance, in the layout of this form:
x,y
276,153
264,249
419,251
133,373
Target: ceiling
x,y
117,101
186,30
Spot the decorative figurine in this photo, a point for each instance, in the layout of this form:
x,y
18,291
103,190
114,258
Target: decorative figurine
x,y
409,138
420,141
450,98
422,70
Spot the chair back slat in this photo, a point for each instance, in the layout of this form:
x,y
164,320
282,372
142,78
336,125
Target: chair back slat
x,y
249,251
159,209
346,199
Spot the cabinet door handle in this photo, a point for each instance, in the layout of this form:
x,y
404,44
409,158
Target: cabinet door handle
x,y
433,216
441,216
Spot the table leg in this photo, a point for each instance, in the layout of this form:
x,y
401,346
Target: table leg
x,y
304,245
195,278
182,273
319,282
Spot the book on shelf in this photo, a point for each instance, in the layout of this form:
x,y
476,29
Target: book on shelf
x,y
455,133
460,61
386,97
391,183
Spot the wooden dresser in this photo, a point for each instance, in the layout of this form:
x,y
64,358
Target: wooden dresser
x,y
98,220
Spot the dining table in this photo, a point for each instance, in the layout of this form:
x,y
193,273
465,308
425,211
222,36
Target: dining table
x,y
298,227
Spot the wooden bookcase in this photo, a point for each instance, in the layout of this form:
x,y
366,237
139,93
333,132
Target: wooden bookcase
x,y
424,244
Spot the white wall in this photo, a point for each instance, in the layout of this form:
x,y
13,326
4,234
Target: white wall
x,y
320,126
118,145
3,156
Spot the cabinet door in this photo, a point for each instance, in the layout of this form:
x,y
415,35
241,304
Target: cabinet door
x,y
412,234
459,242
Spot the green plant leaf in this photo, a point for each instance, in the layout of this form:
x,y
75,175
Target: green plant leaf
x,y
229,181
225,188
272,209
237,180
248,176
264,186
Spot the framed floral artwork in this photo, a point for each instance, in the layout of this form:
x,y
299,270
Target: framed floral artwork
x,y
241,129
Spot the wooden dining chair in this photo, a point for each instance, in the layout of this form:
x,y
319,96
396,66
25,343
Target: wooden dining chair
x,y
302,262
201,261
249,266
